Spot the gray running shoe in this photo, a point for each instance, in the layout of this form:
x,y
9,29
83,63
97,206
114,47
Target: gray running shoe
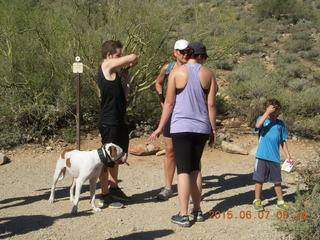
x,y
164,194
182,221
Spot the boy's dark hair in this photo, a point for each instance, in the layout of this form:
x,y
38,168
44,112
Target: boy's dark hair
x,y
274,102
110,47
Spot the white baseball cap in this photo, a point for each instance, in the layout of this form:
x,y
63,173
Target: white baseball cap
x,y
181,44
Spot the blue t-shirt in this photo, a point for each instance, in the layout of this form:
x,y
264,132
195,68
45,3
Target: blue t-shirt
x,y
271,135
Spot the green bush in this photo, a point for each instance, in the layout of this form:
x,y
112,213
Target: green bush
x,y
294,46
286,58
311,55
247,49
316,77
295,70
225,64
303,222
292,10
299,84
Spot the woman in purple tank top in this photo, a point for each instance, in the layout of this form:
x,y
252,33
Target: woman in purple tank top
x,y
191,100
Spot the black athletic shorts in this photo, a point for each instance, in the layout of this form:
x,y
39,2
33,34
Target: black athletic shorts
x,y
188,148
267,171
166,129
117,134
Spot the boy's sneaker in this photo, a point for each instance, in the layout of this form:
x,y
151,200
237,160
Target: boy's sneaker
x,y
257,205
118,194
197,215
285,206
108,201
182,221
164,194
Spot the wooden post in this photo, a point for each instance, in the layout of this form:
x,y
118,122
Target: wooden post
x,y
78,68
78,111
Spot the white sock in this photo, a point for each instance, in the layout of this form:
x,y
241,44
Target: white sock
x,y
280,202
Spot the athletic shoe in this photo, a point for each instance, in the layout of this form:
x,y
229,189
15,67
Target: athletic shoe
x,y
164,194
182,221
285,206
108,201
197,216
257,205
118,194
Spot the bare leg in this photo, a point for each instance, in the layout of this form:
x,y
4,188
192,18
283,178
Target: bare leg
x,y
184,192
278,190
196,189
258,190
169,163
103,178
114,176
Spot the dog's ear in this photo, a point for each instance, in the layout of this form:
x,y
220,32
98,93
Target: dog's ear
x,y
113,151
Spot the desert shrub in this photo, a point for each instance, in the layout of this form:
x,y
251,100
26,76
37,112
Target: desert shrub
x,y
248,49
297,45
283,59
252,37
306,127
316,77
311,55
292,10
299,84
222,106
225,64
295,70
247,70
69,135
304,220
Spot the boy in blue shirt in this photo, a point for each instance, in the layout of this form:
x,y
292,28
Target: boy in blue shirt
x,y
272,134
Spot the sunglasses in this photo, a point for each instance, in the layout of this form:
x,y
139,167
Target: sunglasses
x,y
182,51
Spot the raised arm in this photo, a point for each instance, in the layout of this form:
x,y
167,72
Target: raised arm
x,y
270,109
116,63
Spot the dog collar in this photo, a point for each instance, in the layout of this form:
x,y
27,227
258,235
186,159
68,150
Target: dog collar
x,y
103,156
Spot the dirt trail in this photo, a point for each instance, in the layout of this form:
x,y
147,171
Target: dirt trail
x,y
25,212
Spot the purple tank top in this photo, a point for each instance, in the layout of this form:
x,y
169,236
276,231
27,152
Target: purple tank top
x,y
190,113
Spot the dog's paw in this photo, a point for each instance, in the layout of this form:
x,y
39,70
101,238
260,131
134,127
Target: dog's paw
x,y
51,200
74,210
96,209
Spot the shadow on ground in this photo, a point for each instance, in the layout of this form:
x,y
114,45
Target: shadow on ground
x,y
19,225
149,235
231,181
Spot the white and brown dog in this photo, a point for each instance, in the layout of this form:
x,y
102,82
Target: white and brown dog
x,y
84,165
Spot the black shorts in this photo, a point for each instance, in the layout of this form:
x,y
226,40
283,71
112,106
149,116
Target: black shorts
x,y
167,127
188,149
117,134
267,171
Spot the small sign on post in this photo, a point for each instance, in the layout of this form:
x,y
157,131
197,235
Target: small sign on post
x,y
77,68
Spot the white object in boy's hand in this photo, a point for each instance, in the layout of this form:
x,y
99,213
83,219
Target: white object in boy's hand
x,y
288,165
